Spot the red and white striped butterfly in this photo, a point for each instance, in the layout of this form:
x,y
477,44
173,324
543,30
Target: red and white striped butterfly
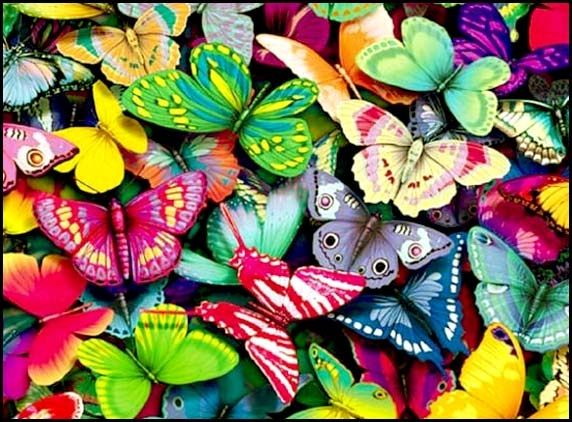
x,y
32,150
136,241
282,298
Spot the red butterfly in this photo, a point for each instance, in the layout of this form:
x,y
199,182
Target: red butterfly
x,y
283,297
136,240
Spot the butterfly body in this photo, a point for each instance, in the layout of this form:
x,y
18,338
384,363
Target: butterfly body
x,y
110,246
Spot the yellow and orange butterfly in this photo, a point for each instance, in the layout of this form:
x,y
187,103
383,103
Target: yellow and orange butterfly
x,y
334,82
493,379
130,53
99,146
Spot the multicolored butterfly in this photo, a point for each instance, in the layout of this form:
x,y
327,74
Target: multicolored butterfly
x,y
68,405
211,154
164,346
423,318
99,146
353,239
266,128
492,378
424,62
416,176
348,399
130,53
535,311
282,297
334,82
33,151
344,12
31,287
133,242
29,75
486,34
545,195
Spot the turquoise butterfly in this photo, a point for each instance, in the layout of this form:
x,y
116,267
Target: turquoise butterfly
x,y
215,97
424,62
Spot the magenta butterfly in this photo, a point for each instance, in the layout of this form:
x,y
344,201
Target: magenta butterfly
x,y
137,241
32,150
486,34
282,298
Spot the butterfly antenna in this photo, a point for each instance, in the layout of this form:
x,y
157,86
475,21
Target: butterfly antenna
x,y
344,74
233,228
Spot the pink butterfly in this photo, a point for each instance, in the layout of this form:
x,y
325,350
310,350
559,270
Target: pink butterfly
x,y
32,150
137,241
282,298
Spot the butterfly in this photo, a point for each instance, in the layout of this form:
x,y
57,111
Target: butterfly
x,y
127,54
68,405
29,75
164,347
64,10
508,292
539,127
549,25
493,379
211,154
422,318
334,82
460,212
31,287
486,34
227,24
416,176
99,145
344,12
424,62
137,241
411,387
559,385
202,102
282,297
546,195
33,151
348,399
353,239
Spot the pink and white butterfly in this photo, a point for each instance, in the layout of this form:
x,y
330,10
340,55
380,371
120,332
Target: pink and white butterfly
x,y
33,151
136,241
283,297
416,176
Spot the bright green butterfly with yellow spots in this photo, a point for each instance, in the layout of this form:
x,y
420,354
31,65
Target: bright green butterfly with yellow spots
x,y
216,97
348,399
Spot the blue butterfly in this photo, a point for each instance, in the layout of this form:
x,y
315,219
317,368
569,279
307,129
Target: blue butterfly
x,y
423,317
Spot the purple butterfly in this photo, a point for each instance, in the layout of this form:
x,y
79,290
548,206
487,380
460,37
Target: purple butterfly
x,y
486,34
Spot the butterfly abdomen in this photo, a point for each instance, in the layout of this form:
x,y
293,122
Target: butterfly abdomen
x,y
118,227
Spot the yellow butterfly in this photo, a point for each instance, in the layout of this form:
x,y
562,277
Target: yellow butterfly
x,y
493,379
129,54
99,166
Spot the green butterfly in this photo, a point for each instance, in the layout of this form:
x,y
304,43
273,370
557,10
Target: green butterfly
x,y
348,399
343,12
424,62
164,353
216,97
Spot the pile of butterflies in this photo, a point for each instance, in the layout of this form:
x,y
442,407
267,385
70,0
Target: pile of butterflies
x,y
285,210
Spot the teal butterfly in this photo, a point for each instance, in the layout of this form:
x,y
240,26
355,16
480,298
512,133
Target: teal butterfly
x,y
424,62
216,97
540,126
348,399
536,312
343,12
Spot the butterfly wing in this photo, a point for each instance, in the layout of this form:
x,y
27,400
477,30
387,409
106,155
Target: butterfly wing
x,y
493,379
34,151
154,249
267,343
158,164
82,229
509,293
91,44
68,405
64,10
306,63
343,12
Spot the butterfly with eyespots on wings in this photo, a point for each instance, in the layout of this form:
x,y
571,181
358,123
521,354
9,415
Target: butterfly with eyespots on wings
x,y
282,297
33,151
353,239
136,241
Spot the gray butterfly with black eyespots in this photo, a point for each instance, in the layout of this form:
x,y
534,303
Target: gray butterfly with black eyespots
x,y
353,239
